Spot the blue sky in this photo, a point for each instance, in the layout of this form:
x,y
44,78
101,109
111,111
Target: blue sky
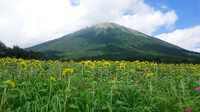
x,y
188,12
29,22
74,2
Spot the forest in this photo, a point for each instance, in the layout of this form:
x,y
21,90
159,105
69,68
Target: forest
x,y
17,52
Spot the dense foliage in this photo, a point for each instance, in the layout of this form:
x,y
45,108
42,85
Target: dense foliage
x,y
98,86
18,52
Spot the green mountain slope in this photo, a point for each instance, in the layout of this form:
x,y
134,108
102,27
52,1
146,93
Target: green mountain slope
x,y
114,42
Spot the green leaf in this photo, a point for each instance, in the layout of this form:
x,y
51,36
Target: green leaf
x,y
2,86
114,87
43,90
73,106
198,82
119,102
105,106
11,96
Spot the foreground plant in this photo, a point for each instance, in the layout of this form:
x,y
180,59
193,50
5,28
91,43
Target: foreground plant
x,y
96,86
189,110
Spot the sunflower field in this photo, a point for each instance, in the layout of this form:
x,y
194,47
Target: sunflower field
x,y
98,86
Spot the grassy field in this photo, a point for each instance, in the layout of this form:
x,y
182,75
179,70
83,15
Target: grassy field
x,y
98,86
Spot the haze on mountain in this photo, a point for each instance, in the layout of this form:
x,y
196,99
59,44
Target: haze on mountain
x,y
111,41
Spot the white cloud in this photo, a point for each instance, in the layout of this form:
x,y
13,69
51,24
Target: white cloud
x,y
186,38
29,22
146,19
148,23
164,7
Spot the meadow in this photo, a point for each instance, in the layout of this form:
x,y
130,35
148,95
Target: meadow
x,y
98,86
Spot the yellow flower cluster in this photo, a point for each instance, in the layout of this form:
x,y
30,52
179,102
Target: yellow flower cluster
x,y
106,64
52,78
9,82
122,66
92,67
115,79
149,74
68,70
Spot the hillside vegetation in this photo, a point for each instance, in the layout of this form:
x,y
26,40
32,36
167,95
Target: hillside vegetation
x,y
17,52
111,41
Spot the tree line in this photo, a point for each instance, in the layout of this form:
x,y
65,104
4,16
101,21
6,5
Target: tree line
x,y
17,52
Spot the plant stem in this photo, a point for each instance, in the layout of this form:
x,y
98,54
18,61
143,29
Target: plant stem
x,y
65,102
50,91
66,95
111,91
93,93
3,98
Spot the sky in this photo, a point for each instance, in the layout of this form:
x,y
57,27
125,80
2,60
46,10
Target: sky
x,y
26,23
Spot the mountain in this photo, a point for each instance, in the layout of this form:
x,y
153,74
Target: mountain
x,y
111,41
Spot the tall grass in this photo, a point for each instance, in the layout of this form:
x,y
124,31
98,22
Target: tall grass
x,y
98,86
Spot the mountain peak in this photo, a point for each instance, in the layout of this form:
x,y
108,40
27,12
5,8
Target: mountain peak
x,y
106,26
112,42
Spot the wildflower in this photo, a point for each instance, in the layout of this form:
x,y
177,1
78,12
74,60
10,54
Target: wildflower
x,y
144,74
137,81
68,70
12,84
122,66
72,61
149,74
198,88
87,71
5,71
45,84
106,64
64,72
137,61
80,85
52,78
23,65
87,63
189,110
92,66
115,79
23,83
14,72
139,67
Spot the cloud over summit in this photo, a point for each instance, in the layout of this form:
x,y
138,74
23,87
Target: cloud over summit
x,y
29,22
